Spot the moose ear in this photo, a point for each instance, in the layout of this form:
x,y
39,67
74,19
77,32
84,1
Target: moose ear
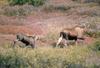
x,y
33,36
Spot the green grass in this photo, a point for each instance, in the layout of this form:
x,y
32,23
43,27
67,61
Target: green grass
x,y
22,2
71,57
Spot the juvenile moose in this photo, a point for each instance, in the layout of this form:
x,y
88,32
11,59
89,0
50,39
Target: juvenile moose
x,y
27,40
71,34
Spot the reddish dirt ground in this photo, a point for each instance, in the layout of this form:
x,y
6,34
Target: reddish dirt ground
x,y
89,40
39,23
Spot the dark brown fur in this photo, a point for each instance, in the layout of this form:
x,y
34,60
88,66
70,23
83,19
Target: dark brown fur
x,y
28,41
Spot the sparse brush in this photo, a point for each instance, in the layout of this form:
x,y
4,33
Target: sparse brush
x,y
94,34
96,45
87,1
17,10
50,8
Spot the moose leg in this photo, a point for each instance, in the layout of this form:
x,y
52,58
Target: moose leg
x,y
32,45
58,42
66,43
81,42
14,42
76,42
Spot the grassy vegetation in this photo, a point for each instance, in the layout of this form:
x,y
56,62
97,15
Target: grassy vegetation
x,y
71,57
19,7
21,2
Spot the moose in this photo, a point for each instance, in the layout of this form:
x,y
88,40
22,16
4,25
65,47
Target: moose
x,y
76,33
28,40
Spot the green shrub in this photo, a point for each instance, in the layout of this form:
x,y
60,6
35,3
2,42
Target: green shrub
x,y
21,2
17,2
96,46
50,8
62,8
93,34
87,1
36,2
12,60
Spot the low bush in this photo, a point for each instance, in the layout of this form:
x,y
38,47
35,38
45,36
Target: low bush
x,y
21,2
87,1
36,2
96,46
50,8
17,10
94,34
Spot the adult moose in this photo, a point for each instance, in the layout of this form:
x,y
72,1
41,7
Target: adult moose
x,y
76,33
28,40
